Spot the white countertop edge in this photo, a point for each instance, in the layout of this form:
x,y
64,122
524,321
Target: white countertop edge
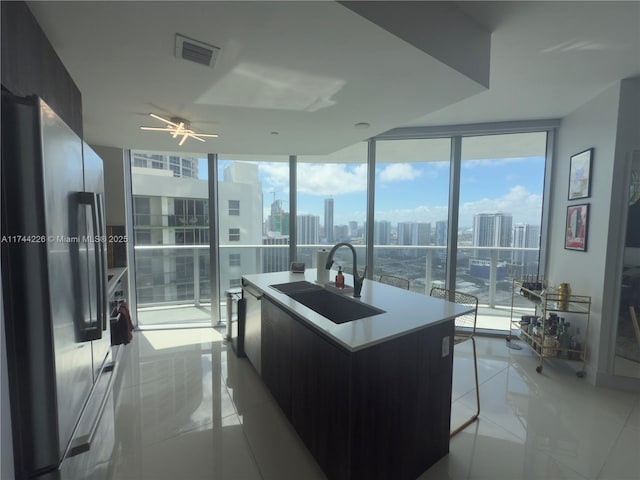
x,y
117,273
399,318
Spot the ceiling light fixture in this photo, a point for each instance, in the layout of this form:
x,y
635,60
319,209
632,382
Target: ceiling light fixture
x,y
178,127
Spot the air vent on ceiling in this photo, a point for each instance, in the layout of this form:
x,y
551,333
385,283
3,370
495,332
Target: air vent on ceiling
x,y
196,51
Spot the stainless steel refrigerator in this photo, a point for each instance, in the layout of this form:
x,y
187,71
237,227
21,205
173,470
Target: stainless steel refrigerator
x,y
54,287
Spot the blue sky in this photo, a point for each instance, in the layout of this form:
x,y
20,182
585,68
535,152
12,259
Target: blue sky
x,y
412,191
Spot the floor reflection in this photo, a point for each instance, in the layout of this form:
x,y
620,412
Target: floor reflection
x,y
188,408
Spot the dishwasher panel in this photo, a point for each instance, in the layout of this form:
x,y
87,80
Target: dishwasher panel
x,y
253,326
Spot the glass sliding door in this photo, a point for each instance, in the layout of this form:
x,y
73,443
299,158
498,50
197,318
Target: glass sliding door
x,y
332,206
500,217
411,210
253,218
171,239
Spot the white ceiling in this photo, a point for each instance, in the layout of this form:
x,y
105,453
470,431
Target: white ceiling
x,y
311,70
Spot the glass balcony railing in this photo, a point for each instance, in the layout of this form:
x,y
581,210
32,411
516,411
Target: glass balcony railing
x,y
148,220
172,274
177,275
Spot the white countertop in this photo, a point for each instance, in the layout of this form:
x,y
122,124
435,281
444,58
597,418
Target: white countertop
x,y
405,311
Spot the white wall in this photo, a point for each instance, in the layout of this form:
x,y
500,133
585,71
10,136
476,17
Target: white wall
x,y
607,124
113,159
592,125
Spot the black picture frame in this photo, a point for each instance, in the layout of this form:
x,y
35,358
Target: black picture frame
x,y
580,175
577,227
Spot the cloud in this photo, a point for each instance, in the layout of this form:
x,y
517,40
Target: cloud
x,y
318,179
469,164
399,171
275,175
335,179
525,207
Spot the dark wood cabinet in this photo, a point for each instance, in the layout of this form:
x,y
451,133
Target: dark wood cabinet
x,y
378,413
401,405
276,354
320,398
30,65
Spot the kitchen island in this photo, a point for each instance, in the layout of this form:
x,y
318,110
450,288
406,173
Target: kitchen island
x,y
370,398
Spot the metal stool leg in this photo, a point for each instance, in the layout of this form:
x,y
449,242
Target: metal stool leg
x,y
475,416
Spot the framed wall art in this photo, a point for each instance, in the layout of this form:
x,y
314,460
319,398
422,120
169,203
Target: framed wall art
x,y
580,175
576,228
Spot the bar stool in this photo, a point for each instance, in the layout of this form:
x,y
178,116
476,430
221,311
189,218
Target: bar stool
x,y
468,323
394,280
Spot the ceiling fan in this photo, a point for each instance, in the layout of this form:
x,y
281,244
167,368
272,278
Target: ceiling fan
x,y
178,127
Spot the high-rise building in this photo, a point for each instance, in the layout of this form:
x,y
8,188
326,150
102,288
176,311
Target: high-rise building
x,y
421,234
382,232
441,232
341,233
275,259
239,221
183,219
278,222
353,229
492,230
526,236
414,233
404,233
181,167
328,220
307,229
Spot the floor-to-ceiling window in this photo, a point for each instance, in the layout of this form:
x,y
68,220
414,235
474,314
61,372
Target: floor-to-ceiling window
x,y
252,218
499,218
332,205
171,238
490,184
411,210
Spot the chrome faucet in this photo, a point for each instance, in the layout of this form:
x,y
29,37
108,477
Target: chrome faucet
x,y
357,280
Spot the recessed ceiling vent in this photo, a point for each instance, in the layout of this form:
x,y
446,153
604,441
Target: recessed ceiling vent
x,y
196,51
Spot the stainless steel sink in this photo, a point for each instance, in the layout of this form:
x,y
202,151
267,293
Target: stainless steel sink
x,y
292,287
331,305
334,306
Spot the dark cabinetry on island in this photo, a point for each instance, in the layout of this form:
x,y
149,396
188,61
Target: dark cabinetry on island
x,y
376,413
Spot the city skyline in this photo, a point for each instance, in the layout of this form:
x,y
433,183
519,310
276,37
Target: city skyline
x,y
410,192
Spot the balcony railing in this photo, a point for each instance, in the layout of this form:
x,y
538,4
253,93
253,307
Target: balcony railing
x,y
170,275
150,220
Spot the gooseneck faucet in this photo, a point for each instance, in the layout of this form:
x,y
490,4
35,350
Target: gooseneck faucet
x,y
357,279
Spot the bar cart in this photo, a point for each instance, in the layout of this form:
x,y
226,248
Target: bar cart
x,y
555,329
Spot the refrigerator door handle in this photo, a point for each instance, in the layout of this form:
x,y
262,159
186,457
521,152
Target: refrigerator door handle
x,y
102,266
83,443
91,199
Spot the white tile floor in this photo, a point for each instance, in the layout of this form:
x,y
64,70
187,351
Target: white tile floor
x,y
187,408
